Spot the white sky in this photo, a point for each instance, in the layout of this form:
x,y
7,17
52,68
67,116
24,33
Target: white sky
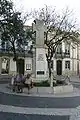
x,y
27,5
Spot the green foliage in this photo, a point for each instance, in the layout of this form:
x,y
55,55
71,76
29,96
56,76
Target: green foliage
x,y
59,83
42,84
46,83
30,37
5,12
11,28
13,32
5,8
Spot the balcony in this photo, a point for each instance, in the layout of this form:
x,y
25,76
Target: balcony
x,y
67,55
62,55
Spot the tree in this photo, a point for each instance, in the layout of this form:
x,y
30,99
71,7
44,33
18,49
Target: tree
x,y
30,38
60,27
12,29
5,11
13,32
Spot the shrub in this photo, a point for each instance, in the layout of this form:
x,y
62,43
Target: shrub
x,y
47,84
42,84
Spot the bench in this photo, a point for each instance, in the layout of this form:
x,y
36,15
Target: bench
x,y
18,87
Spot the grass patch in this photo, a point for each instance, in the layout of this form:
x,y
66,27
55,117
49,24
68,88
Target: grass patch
x,y
59,83
42,84
47,84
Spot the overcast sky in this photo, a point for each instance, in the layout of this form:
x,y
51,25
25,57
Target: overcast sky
x,y
27,5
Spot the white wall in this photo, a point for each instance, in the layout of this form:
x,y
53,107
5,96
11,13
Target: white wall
x,y
63,46
63,65
12,65
71,50
54,65
75,65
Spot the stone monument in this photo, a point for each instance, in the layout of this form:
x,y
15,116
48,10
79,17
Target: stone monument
x,y
40,62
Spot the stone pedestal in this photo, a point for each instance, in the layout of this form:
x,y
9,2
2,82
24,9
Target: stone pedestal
x,y
34,62
12,66
41,64
39,58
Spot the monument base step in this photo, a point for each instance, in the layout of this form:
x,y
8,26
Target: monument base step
x,y
40,79
54,90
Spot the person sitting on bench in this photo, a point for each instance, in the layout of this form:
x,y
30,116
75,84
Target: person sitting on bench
x,y
28,82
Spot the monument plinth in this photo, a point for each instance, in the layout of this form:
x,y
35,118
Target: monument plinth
x,y
40,61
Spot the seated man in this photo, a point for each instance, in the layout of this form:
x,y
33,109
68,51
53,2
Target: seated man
x,y
13,82
28,82
19,82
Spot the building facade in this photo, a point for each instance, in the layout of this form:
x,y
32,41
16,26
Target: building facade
x,y
66,60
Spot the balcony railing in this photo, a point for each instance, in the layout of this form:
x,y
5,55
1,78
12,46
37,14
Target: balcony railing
x,y
62,55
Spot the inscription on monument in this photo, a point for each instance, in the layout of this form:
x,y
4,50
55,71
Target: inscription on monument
x,y
40,72
40,57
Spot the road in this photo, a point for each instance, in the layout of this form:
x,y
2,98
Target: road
x,y
11,116
35,102
39,102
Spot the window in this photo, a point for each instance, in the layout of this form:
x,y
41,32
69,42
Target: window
x,y
28,66
52,64
59,49
67,65
67,48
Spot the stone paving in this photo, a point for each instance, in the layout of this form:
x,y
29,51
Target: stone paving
x,y
76,115
38,111
14,116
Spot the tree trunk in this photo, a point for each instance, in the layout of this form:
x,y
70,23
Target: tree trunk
x,y
16,60
50,74
49,68
16,66
51,80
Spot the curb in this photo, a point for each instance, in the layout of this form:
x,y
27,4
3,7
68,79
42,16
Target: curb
x,y
6,90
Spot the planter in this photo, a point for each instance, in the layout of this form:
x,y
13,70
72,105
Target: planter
x,y
63,89
42,90
57,89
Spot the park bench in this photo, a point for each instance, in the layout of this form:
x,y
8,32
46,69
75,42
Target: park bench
x,y
20,85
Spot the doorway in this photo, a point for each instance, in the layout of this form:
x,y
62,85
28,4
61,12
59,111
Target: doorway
x,y
20,66
59,67
5,65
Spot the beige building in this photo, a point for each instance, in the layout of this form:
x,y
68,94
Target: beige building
x,y
67,59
